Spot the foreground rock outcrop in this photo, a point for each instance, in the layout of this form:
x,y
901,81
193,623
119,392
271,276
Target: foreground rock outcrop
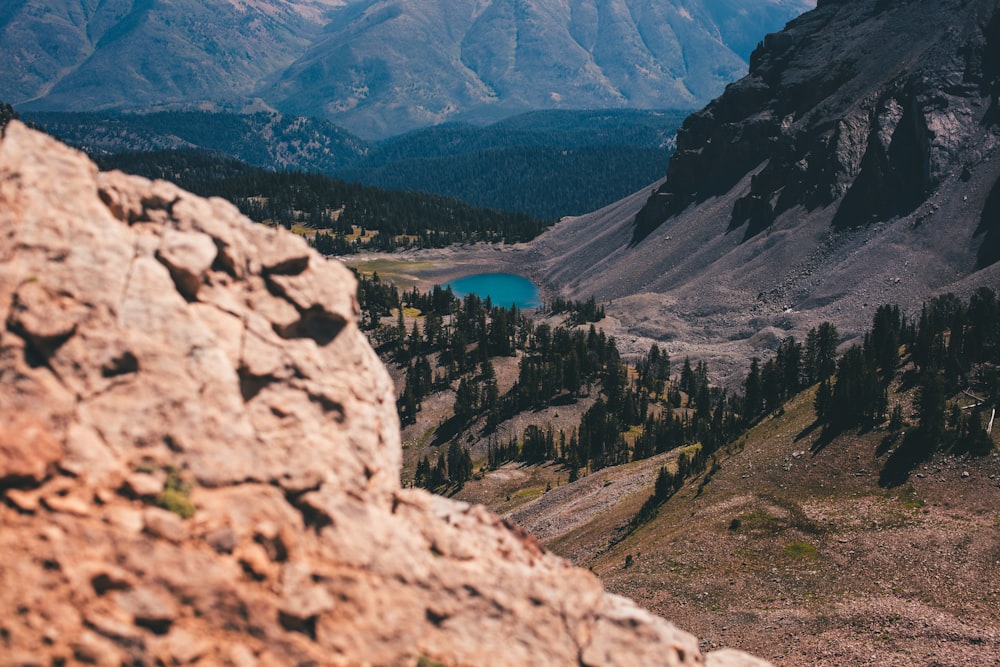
x,y
199,458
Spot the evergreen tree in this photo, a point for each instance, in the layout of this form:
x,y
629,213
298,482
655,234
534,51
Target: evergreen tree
x,y
859,397
459,464
931,409
422,476
820,358
687,380
771,377
407,407
789,361
753,401
465,402
7,114
884,341
439,474
821,404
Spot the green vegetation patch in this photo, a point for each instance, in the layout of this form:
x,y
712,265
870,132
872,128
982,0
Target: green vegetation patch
x,y
756,519
302,230
691,450
788,516
802,550
176,496
908,497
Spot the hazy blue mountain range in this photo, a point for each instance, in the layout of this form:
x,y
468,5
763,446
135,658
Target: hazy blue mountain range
x,y
378,67
390,65
86,55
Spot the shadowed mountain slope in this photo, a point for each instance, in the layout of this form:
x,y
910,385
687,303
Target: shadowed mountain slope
x,y
857,164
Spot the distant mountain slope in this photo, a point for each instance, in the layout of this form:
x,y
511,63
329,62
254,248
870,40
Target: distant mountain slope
x,y
125,54
269,140
547,164
378,67
858,163
385,66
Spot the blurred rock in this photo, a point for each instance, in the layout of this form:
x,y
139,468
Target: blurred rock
x,y
239,376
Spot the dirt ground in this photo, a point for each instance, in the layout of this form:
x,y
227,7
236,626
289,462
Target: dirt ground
x,y
801,557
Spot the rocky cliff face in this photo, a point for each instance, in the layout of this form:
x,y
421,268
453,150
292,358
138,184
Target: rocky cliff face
x,y
863,104
857,164
199,459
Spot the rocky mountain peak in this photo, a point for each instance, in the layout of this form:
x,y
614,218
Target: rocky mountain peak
x,y
858,163
200,457
865,105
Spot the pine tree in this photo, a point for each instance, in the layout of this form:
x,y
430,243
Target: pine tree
x,y
771,377
753,398
459,464
821,351
465,402
422,477
822,401
439,475
931,409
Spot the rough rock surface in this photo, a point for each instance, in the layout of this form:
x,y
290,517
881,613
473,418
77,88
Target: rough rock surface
x,y
199,459
868,105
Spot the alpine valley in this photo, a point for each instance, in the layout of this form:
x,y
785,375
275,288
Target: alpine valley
x,y
759,398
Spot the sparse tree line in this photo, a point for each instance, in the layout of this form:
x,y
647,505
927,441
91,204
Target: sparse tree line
x,y
7,114
643,411
952,352
954,348
635,415
580,312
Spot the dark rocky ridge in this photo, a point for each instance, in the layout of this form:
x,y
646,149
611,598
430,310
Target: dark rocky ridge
x,y
856,165
860,104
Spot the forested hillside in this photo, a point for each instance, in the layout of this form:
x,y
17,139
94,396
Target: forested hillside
x,y
545,164
930,381
261,139
846,499
337,217
548,164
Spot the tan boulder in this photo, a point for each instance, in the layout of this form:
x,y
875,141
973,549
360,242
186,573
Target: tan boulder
x,y
200,458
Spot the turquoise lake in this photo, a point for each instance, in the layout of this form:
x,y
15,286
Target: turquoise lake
x,y
503,289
